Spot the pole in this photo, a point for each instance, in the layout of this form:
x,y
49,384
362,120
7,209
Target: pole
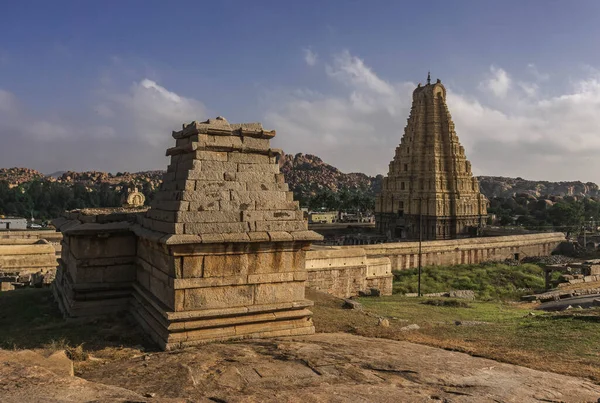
x,y
420,241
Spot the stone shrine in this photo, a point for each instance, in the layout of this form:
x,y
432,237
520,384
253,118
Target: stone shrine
x,y
430,177
220,253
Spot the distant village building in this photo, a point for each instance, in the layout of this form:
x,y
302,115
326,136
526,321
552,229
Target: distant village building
x,y
430,177
322,217
13,223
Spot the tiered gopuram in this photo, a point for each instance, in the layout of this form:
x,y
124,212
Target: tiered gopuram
x,y
430,177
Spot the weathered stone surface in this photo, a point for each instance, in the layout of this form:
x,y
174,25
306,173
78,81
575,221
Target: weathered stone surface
x,y
218,297
341,366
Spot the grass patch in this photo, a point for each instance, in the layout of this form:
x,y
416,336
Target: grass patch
x,y
490,281
454,303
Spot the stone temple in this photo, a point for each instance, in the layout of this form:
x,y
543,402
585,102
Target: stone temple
x,y
430,177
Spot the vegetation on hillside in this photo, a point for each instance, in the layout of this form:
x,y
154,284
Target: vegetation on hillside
x,y
46,200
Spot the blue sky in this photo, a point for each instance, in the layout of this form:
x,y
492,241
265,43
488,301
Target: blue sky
x,y
99,85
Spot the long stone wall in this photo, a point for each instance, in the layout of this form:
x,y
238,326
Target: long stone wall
x,y
26,262
347,272
405,255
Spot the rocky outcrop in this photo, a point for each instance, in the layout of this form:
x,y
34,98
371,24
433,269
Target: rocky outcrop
x,y
498,186
336,367
309,174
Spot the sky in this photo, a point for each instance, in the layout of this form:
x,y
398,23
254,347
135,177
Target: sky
x,y
100,85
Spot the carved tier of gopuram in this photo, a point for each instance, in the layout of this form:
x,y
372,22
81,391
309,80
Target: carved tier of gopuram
x,y
430,177
219,255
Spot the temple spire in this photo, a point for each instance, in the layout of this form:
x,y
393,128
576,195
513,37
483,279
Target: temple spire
x,y
428,77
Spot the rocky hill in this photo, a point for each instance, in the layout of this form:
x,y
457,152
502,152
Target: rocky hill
x,y
308,174
498,186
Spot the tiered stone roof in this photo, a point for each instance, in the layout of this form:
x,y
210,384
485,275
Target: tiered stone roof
x,y
223,185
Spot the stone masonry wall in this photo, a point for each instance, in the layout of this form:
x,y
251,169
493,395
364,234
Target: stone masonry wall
x,y
404,255
347,272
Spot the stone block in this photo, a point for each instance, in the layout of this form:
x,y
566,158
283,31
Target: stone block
x,y
161,215
205,196
216,228
219,166
271,215
224,141
204,155
275,226
234,205
256,186
119,273
219,186
218,297
212,205
262,177
205,175
256,144
226,265
266,168
280,205
248,158
96,247
279,292
271,278
258,196
275,262
208,216
192,266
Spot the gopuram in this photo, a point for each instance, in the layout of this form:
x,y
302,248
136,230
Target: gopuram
x,y
430,189
220,253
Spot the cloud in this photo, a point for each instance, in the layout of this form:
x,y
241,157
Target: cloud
x,y
533,70
508,129
352,71
310,57
498,82
124,130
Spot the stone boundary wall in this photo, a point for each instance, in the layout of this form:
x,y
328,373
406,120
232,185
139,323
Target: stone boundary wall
x,y
347,272
53,238
405,255
26,262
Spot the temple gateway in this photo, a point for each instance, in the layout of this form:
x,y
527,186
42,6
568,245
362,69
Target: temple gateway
x,y
430,188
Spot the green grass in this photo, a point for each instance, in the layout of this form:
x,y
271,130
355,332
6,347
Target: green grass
x,y
490,281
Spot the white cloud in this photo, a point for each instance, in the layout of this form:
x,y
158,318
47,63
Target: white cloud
x,y
352,71
123,130
512,132
310,57
150,112
498,82
533,70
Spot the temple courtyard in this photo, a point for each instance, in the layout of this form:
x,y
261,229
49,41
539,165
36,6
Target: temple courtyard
x,y
393,349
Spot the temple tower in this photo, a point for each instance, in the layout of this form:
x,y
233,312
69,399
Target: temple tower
x,y
430,177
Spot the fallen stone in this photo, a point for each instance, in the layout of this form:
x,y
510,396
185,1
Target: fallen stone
x,y
383,322
408,328
351,304
463,294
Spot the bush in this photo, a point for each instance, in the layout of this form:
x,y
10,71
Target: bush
x,y
490,281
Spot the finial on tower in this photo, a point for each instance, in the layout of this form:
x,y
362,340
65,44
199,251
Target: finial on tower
x,y
428,77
